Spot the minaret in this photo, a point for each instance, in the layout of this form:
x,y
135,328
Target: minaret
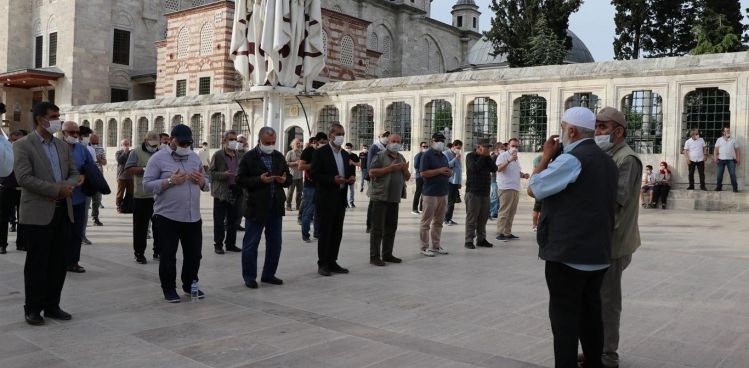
x,y
466,16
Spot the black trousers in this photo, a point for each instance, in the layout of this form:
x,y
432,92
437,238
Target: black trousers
x,y
701,169
142,213
331,231
575,313
45,268
76,234
661,192
171,234
9,199
384,225
416,206
224,223
453,197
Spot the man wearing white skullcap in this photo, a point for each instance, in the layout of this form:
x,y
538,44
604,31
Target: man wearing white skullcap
x,y
578,189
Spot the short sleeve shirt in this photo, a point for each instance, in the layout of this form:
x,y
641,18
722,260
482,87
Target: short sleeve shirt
x,y
307,158
695,149
726,148
509,179
294,156
436,186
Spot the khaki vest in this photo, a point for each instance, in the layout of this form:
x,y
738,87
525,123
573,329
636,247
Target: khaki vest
x,y
379,187
143,157
626,229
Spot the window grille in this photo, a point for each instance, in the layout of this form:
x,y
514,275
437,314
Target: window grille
x,y
438,117
183,43
53,49
218,126
328,115
373,42
239,123
346,53
158,125
398,121
86,123
196,125
121,47
530,119
325,44
127,130
181,88
361,125
585,99
481,121
99,127
112,133
38,51
206,40
176,120
707,110
142,131
171,5
643,111
204,86
387,55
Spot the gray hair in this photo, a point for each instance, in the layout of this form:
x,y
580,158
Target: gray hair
x,y
265,131
334,127
585,132
228,133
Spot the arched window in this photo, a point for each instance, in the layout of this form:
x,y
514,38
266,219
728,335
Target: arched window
x,y
158,125
127,130
99,127
171,5
398,121
239,123
112,133
386,59
438,117
481,121
585,99
707,110
142,131
218,126
206,39
433,57
196,125
86,123
183,43
643,111
325,44
346,52
361,125
529,122
176,120
328,115
374,42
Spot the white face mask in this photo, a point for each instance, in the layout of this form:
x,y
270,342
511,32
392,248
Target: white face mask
x,y
394,147
154,143
54,126
163,146
338,141
267,149
384,141
233,145
438,146
513,151
86,140
151,149
70,139
604,142
182,151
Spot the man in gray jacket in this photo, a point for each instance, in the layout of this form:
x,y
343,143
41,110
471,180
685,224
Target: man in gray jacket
x,y
226,193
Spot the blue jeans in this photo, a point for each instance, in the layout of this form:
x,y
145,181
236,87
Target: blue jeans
x,y
363,180
308,204
731,172
494,201
251,241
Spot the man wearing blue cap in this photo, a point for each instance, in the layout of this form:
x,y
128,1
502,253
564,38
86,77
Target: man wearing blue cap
x,y
175,175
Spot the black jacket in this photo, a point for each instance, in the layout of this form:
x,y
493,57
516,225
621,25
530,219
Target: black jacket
x,y
259,197
479,171
324,170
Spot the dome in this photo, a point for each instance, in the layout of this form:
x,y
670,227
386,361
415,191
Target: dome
x,y
480,53
466,2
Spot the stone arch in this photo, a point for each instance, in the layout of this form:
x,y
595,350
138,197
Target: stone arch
x,y
328,115
141,131
86,123
707,110
438,117
361,125
434,57
239,123
481,121
176,120
529,120
196,125
122,19
51,24
158,125
293,132
99,128
398,121
112,133
127,130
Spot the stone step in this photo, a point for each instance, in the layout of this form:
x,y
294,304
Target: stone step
x,y
727,201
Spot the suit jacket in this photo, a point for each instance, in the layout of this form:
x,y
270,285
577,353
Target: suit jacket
x,y
323,171
258,198
34,174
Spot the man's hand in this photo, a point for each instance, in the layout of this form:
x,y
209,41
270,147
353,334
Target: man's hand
x,y
339,180
66,191
552,147
179,177
405,166
395,166
81,179
230,173
265,178
351,179
446,171
197,177
715,159
281,179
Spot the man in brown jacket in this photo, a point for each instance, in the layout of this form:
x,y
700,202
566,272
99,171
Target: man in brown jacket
x,y
46,173
226,194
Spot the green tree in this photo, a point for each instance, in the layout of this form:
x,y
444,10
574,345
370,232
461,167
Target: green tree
x,y
633,21
715,34
731,9
673,35
514,24
545,47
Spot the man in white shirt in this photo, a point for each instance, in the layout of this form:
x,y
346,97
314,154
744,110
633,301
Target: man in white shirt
x,y
695,151
508,184
205,156
726,153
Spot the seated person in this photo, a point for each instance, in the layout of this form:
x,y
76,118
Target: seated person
x,y
662,186
648,184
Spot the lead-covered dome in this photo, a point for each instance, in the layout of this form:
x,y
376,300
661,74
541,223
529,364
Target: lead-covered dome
x,y
480,54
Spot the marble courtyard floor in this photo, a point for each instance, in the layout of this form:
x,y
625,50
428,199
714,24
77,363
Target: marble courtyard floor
x,y
686,303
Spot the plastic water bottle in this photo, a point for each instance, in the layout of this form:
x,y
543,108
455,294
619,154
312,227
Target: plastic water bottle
x,y
194,290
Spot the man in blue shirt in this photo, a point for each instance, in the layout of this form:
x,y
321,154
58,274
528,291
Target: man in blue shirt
x,y
435,171
455,163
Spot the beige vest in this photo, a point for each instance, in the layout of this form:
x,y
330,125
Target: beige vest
x,y
143,157
626,229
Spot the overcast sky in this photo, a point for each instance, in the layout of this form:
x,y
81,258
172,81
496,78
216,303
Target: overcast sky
x,y
593,23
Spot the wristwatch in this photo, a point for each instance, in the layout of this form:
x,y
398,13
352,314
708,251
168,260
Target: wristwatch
x,y
170,182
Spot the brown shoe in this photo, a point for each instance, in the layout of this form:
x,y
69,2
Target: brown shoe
x,y
377,262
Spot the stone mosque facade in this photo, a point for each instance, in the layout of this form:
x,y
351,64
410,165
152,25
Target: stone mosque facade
x,y
389,66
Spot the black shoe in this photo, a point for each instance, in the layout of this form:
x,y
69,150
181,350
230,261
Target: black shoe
x,y
13,228
336,268
324,271
97,222
503,238
470,245
76,269
272,280
3,250
703,189
34,319
171,296
377,262
690,188
511,237
252,284
735,190
718,189
240,228
233,248
58,314
392,259
218,250
484,244
369,230
352,205
86,241
141,259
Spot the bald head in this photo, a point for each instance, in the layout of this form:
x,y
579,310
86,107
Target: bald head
x,y
94,139
70,125
125,144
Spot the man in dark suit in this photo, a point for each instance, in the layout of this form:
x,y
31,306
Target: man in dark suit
x,y
332,175
46,173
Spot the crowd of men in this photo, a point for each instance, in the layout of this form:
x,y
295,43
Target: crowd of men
x,y
586,184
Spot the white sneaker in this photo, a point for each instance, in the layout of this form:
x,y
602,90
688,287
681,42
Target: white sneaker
x,y
415,213
428,253
442,251
535,229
